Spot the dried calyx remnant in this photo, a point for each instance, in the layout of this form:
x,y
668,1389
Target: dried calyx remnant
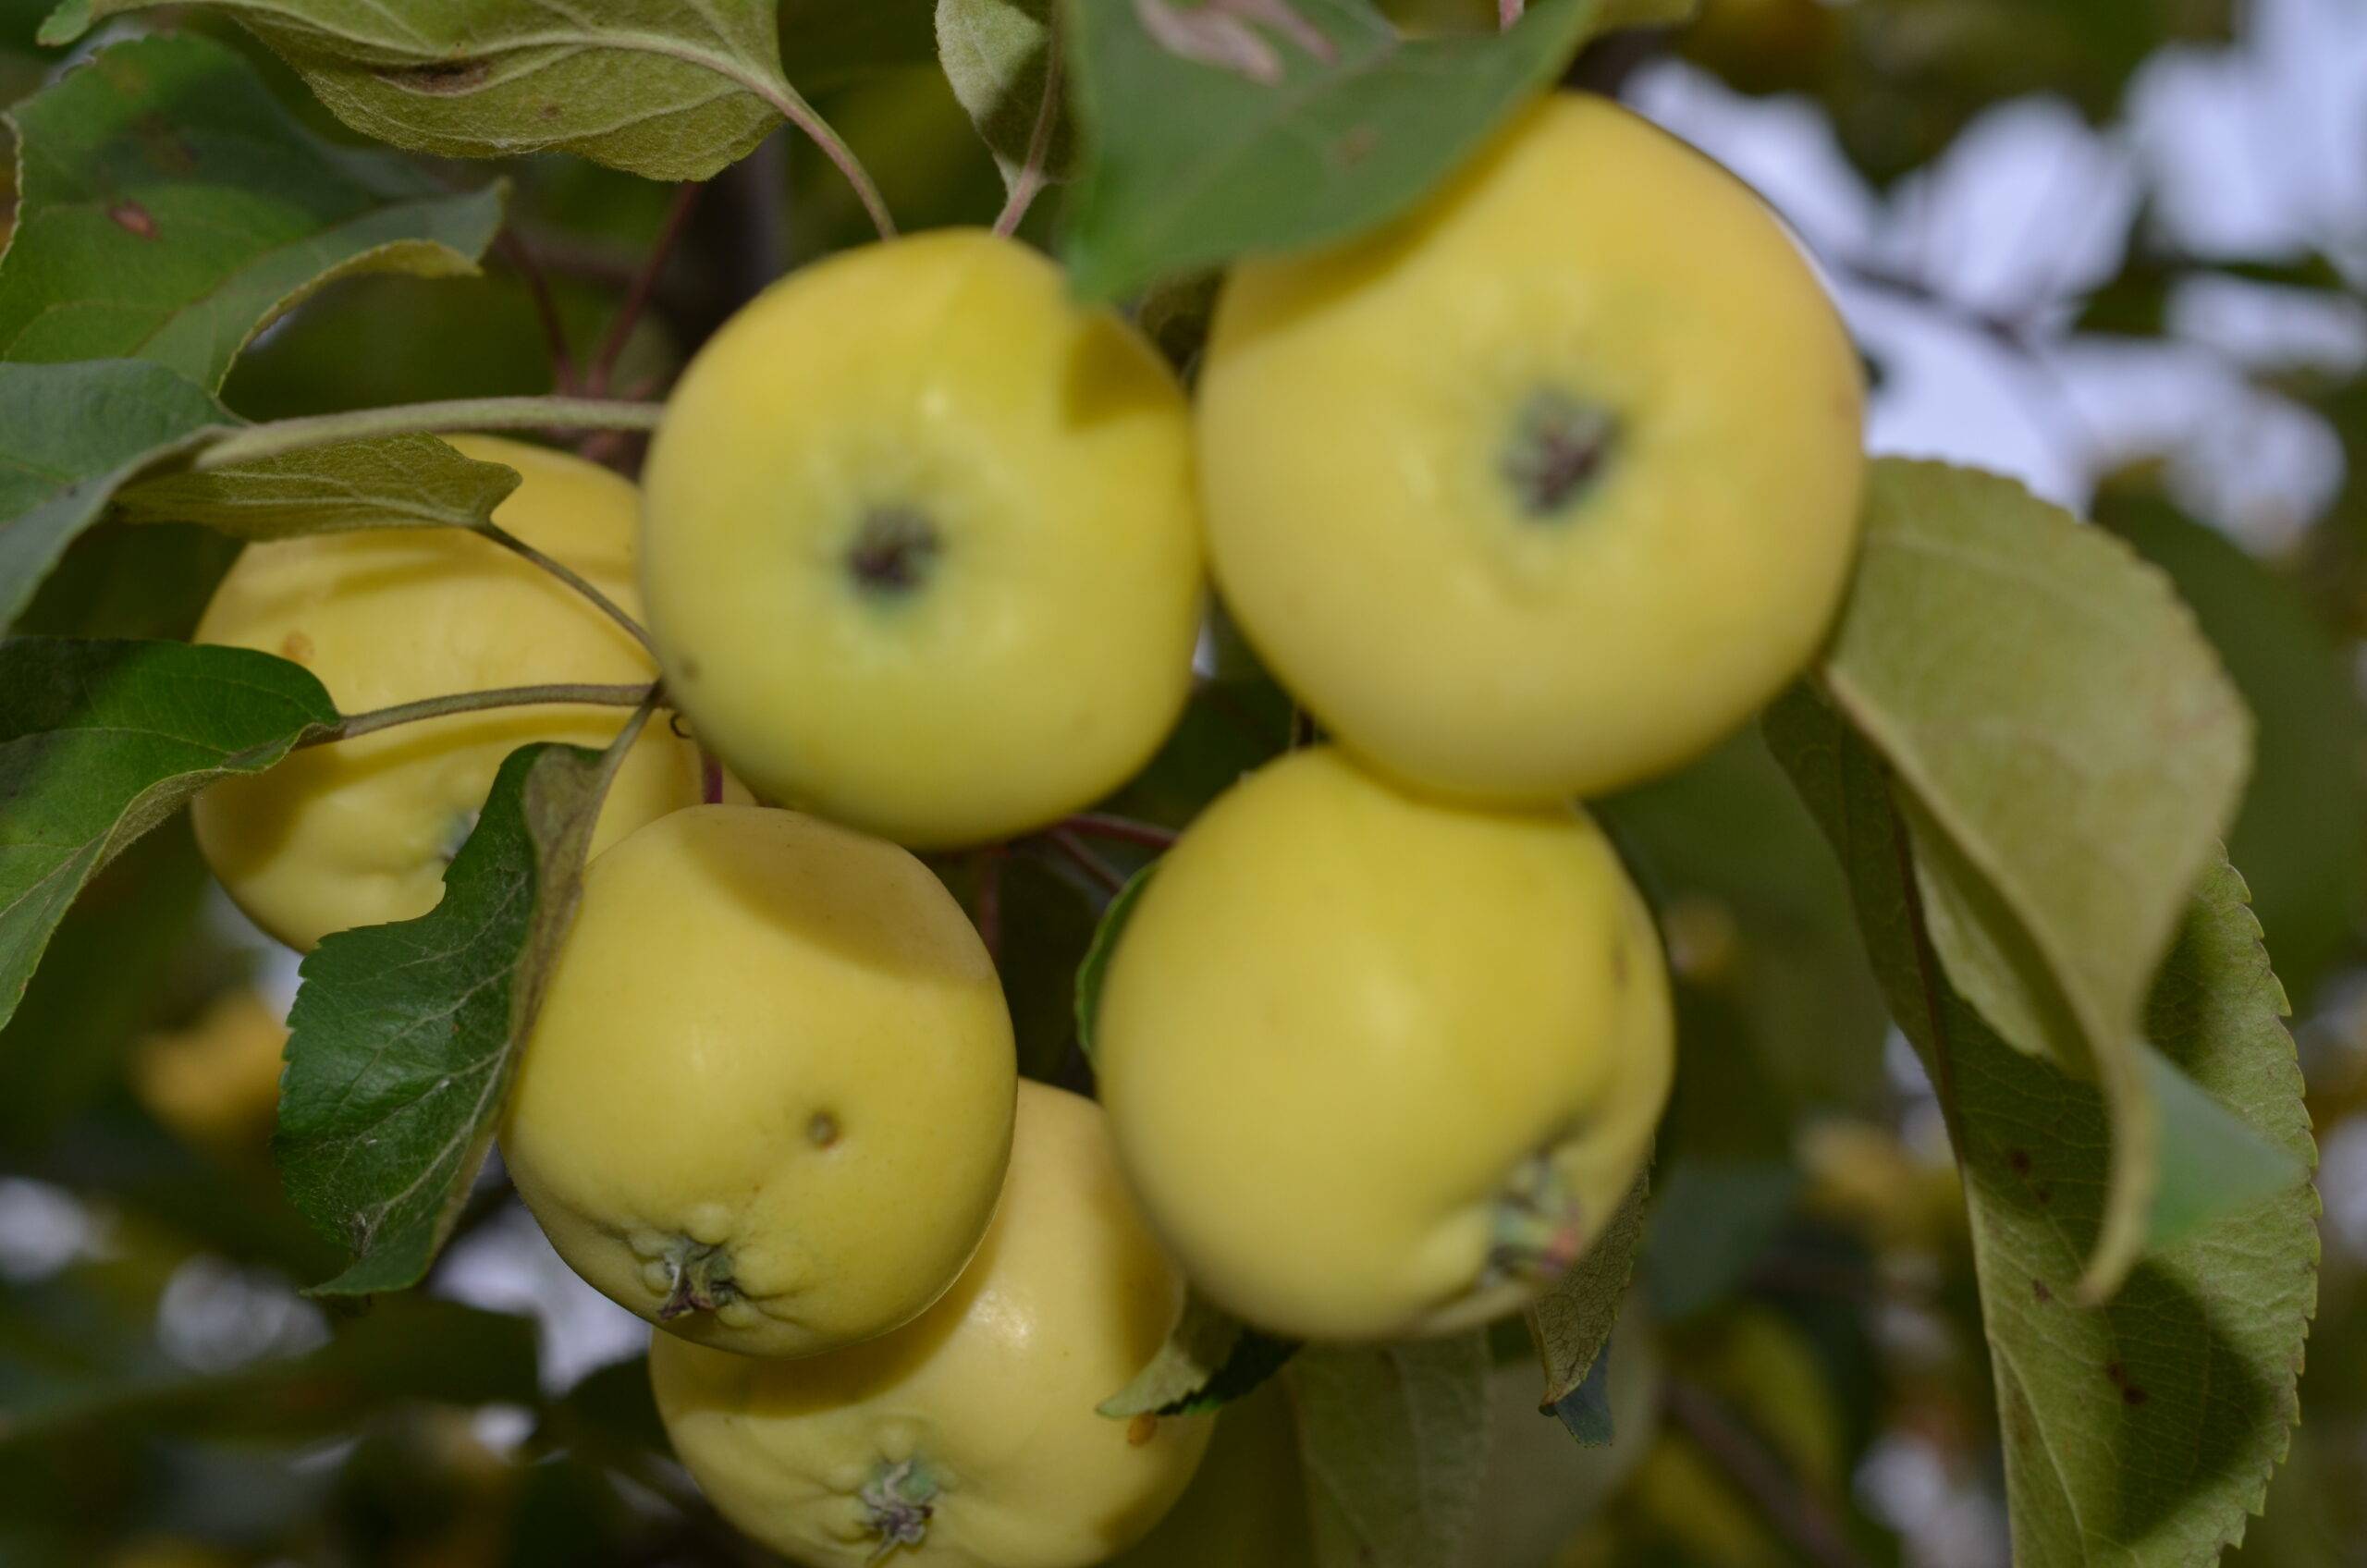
x,y
894,551
1560,446
701,1281
1539,1225
897,1503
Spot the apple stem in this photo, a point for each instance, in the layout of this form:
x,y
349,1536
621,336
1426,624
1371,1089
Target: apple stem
x,y
352,725
569,575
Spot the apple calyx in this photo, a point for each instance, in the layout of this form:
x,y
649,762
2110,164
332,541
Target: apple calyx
x,y
894,551
702,1281
1539,1225
1559,445
898,1502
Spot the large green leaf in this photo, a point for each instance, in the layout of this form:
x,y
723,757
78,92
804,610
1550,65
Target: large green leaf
x,y
1394,1439
670,89
404,1036
169,209
2143,1431
2069,751
1214,131
102,741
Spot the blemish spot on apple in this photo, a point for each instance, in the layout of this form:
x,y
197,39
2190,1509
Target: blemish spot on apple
x,y
823,1130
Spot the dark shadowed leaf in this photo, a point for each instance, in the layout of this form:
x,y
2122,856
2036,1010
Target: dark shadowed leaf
x,y
1571,1323
1096,967
102,741
1394,1440
1211,1359
668,88
169,209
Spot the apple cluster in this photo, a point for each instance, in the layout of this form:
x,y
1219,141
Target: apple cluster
x,y
1531,495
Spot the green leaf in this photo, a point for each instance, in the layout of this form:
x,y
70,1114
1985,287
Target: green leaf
x,y
2070,749
1210,1359
404,1036
667,89
1216,136
391,481
1571,1323
2141,1431
1394,1438
71,436
102,741
1096,967
1002,56
170,209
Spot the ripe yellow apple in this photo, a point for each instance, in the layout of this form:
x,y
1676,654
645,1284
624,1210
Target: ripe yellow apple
x,y
1378,1065
922,552
216,1082
767,1101
968,1438
1246,1508
359,833
1540,490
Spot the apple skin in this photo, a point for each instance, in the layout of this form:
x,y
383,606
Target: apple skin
x,y
766,1102
922,548
360,833
1540,490
989,1399
1355,1042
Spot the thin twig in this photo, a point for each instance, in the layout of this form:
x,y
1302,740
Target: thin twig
x,y
645,284
637,694
569,575
1082,854
258,442
1126,829
797,111
1032,177
538,286
1796,1512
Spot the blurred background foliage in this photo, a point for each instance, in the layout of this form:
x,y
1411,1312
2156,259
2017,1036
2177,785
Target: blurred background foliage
x,y
2116,246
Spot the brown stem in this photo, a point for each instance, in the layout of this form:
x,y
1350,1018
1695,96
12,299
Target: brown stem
x,y
1796,1512
569,575
1125,829
585,696
522,260
1081,854
645,284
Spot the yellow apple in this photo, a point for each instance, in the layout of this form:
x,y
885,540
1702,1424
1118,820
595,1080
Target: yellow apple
x,y
216,1082
767,1101
921,550
1542,489
970,1438
1380,1065
359,833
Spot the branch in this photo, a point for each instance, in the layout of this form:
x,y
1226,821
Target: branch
x,y
1795,1513
521,261
1082,856
352,725
644,283
1125,829
256,443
